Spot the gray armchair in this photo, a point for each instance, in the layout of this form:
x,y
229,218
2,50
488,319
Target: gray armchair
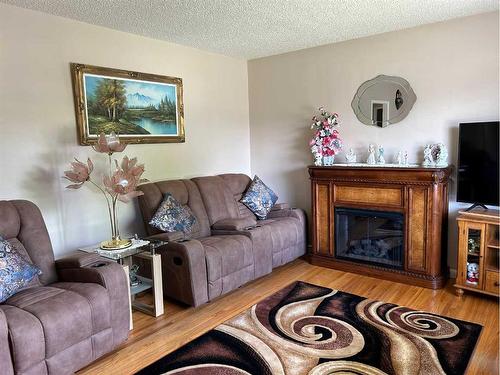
x,y
73,313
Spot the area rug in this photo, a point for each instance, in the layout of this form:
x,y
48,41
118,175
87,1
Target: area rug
x,y
309,329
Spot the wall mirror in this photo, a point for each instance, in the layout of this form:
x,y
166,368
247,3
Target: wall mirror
x,y
383,100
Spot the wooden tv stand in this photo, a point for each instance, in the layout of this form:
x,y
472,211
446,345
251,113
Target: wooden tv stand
x,y
419,194
478,242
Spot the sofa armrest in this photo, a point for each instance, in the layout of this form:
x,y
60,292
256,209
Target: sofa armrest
x,y
235,224
167,236
287,212
280,206
184,271
6,367
108,274
296,213
77,260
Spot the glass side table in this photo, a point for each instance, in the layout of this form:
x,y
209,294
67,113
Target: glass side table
x,y
144,250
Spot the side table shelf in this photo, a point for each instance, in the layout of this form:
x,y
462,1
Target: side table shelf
x,y
145,284
156,309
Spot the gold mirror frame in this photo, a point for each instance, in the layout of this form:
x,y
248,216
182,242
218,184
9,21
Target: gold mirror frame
x,y
77,74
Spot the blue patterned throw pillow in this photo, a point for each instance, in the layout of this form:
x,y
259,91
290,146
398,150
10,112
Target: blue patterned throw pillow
x,y
171,216
259,198
15,271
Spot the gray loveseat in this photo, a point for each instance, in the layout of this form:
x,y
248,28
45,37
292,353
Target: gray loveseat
x,y
228,247
73,313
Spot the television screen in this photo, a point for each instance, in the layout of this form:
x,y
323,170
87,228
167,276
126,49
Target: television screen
x,y
478,163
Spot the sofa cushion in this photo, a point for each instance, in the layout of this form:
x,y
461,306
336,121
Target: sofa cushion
x,y
226,254
16,272
171,216
217,198
98,299
26,338
237,184
22,221
259,198
65,316
185,192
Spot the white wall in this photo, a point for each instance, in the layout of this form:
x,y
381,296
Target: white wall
x,y
452,66
37,122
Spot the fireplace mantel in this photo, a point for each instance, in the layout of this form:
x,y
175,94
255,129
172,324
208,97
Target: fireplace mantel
x,y
420,194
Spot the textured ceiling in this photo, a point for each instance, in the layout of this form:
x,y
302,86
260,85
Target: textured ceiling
x,y
257,28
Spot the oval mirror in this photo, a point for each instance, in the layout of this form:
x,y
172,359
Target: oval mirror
x,y
383,100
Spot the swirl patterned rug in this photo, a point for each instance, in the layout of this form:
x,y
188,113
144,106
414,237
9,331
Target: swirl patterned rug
x,y
309,329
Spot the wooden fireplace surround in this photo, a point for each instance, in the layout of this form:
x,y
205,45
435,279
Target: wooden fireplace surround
x,y
420,194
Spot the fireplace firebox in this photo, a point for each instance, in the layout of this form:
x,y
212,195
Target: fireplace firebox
x,y
369,236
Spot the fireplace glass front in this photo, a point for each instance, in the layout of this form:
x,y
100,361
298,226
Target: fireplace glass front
x,y
369,236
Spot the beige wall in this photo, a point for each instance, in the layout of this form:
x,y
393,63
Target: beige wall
x,y
452,66
37,125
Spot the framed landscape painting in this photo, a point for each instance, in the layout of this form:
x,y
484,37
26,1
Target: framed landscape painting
x,y
139,107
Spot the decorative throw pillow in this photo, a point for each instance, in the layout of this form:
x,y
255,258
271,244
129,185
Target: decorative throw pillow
x,y
259,198
15,271
171,216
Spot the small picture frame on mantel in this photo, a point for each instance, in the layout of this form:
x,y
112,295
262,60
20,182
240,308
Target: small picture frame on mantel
x,y
139,107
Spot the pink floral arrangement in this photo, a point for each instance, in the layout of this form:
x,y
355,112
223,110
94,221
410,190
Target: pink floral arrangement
x,y
119,185
326,141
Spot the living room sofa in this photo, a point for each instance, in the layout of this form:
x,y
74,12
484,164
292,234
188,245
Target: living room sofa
x,y
73,313
228,246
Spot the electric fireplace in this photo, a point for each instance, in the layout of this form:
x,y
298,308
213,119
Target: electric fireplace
x,y
385,222
369,236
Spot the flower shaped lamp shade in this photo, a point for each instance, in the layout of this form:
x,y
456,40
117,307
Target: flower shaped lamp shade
x,y
119,184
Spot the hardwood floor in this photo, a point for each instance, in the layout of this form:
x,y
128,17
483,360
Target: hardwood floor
x,y
152,338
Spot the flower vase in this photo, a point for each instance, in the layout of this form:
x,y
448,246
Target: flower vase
x,y
328,160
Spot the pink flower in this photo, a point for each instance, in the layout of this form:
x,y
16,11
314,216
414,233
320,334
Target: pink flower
x,y
123,182
108,144
130,166
79,173
328,152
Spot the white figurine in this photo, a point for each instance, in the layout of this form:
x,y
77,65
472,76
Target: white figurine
x,y
441,159
405,158
350,157
371,155
399,158
428,162
381,159
318,160
472,273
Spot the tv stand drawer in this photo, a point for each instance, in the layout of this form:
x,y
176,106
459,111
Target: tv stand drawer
x,y
491,282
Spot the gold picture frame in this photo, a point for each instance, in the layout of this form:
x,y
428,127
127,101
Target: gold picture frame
x,y
139,107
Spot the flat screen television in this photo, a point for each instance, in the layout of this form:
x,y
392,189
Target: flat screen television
x,y
478,153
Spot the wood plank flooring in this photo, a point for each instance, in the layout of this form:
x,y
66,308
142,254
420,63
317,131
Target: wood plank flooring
x,y
153,338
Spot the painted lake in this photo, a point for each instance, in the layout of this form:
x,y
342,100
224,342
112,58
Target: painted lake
x,y
154,126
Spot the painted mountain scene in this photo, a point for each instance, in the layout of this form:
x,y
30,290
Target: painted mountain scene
x,y
130,107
